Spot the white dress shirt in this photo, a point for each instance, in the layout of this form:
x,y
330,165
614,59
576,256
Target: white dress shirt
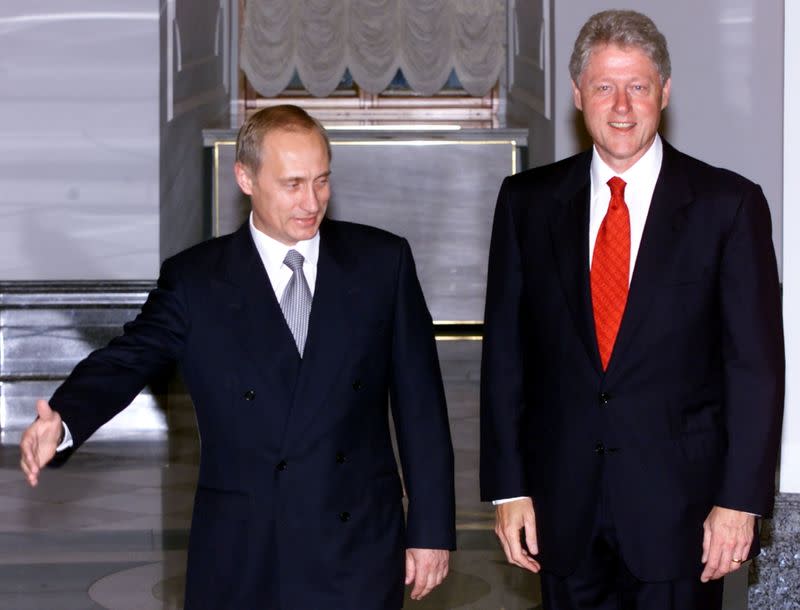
x,y
272,252
640,181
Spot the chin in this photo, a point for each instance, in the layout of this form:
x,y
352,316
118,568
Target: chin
x,y
304,235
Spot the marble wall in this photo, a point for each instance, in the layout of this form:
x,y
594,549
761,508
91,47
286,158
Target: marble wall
x,y
79,139
100,124
195,35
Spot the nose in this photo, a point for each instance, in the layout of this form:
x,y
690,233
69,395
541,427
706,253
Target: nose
x,y
312,200
622,102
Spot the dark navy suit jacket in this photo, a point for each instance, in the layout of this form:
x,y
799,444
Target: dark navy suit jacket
x,y
688,413
299,502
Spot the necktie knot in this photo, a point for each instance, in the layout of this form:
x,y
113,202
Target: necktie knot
x,y
294,260
617,186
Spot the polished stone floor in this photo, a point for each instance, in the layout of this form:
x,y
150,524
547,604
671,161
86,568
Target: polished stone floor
x,y
109,530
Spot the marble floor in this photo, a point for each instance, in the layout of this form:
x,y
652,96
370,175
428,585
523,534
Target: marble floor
x,y
109,530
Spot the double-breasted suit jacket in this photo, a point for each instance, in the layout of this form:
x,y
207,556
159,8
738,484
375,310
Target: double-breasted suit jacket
x,y
687,414
299,502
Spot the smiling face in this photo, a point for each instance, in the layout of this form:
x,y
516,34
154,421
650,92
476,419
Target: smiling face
x,y
291,188
621,96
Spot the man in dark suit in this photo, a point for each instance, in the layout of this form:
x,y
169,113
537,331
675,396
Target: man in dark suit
x,y
633,367
290,334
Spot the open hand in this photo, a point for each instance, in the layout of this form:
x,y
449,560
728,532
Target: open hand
x,y
39,442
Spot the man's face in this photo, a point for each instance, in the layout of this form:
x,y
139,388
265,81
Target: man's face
x,y
621,97
291,189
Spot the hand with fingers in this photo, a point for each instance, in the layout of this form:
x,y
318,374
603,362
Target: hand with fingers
x,y
426,569
515,523
727,536
39,441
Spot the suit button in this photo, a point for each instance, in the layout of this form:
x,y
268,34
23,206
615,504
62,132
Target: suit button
x,y
599,448
344,517
357,385
249,395
604,398
282,465
341,458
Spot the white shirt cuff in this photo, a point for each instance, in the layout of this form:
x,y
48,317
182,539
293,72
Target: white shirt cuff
x,y
504,500
67,442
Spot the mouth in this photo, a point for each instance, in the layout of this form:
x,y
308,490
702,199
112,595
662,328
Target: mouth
x,y
622,124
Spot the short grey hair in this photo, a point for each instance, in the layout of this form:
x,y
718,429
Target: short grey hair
x,y
625,29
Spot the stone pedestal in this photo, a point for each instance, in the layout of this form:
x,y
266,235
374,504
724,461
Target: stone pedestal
x,y
775,575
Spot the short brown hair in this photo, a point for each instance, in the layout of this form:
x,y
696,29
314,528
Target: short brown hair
x,y
258,125
623,28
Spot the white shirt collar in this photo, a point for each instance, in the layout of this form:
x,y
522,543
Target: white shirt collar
x,y
272,252
644,171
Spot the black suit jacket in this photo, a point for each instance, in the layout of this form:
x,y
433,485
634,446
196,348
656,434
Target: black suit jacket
x,y
299,500
688,413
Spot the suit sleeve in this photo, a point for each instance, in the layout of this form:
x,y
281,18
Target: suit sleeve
x,y
107,381
420,416
753,358
502,473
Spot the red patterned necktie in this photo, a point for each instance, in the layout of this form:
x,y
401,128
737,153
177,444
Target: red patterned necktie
x,y
611,269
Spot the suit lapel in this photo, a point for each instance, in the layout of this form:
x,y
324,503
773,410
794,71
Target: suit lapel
x,y
256,317
329,330
569,226
666,219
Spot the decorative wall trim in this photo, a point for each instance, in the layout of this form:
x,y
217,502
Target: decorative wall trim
x,y
46,328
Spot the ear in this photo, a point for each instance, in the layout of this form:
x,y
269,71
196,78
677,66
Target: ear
x,y
576,95
665,91
243,178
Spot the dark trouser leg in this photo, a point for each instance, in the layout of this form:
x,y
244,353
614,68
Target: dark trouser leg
x,y
685,593
591,587
580,593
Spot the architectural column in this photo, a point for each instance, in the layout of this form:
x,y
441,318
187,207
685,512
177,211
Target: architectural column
x,y
775,576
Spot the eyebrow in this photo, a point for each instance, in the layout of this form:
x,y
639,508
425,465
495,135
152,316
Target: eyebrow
x,y
302,178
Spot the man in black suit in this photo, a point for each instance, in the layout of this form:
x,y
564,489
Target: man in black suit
x,y
290,334
633,365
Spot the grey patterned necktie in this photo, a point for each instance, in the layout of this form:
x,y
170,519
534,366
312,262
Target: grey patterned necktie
x,y
296,300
